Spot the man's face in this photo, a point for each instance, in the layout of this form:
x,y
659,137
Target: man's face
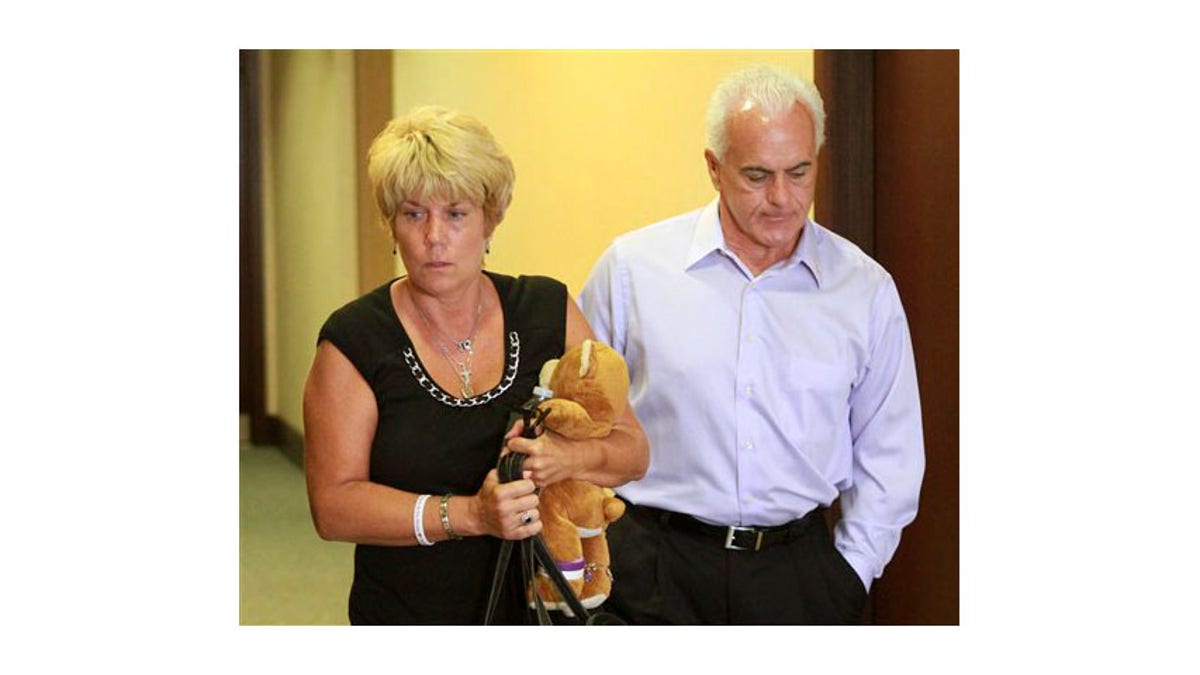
x,y
766,181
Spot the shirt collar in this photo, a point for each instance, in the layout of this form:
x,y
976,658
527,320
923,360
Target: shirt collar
x,y
808,248
708,239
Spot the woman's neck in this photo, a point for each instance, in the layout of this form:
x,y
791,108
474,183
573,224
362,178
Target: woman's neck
x,y
452,312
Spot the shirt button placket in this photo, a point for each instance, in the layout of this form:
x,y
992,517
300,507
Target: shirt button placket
x,y
747,367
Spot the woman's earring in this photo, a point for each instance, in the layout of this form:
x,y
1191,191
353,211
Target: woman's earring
x,y
393,248
487,246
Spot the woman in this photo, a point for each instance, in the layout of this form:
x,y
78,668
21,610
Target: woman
x,y
409,396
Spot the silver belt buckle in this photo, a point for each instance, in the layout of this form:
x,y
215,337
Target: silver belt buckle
x,y
733,530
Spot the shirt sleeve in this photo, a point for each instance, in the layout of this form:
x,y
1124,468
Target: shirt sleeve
x,y
344,330
888,442
602,301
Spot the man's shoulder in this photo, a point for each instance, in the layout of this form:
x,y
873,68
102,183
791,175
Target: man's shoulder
x,y
842,256
675,231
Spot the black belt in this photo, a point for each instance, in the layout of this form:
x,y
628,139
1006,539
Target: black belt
x,y
734,537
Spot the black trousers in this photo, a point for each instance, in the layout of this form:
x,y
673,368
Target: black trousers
x,y
666,575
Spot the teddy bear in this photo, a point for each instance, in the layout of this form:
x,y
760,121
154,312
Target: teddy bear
x,y
590,386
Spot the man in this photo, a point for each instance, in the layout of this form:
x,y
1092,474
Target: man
x,y
771,365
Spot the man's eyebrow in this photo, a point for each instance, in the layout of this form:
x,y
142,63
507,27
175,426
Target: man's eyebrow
x,y
761,169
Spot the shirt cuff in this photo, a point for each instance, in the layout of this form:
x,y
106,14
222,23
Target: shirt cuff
x,y
862,567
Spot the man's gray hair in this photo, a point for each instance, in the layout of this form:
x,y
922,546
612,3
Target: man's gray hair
x,y
774,89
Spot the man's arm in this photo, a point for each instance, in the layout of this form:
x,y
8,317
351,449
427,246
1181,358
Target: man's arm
x,y
889,447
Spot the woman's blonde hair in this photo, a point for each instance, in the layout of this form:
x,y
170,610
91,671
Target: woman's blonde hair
x,y
435,151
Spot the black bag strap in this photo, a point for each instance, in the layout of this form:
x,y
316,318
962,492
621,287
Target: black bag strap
x,y
498,581
533,549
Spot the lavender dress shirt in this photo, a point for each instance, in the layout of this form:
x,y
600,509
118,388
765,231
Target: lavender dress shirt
x,y
764,397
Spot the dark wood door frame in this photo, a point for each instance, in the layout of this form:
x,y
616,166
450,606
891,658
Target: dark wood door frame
x,y
888,181
846,175
373,108
251,331
372,111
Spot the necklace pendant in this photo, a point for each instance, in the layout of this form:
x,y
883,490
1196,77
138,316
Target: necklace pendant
x,y
465,375
465,345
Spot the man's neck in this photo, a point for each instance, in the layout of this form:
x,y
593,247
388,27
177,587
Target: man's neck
x,y
755,256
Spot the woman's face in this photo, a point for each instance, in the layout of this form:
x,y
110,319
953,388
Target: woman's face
x,y
441,242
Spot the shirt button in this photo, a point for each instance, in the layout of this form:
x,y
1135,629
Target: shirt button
x,y
749,390
748,445
750,337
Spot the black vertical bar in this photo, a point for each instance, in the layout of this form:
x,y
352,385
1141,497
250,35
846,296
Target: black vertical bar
x,y
845,201
252,347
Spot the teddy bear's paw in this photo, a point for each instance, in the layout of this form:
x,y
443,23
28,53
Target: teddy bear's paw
x,y
597,584
548,592
594,601
596,573
545,590
559,606
554,606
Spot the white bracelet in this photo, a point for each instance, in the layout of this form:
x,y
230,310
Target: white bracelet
x,y
419,521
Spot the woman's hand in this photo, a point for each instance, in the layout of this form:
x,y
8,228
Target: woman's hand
x,y
549,458
507,510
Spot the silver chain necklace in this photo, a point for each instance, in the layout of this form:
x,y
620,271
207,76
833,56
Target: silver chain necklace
x,y
465,346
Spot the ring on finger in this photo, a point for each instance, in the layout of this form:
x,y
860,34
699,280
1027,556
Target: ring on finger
x,y
526,518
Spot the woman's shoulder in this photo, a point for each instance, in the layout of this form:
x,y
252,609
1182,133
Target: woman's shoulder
x,y
533,302
369,313
527,286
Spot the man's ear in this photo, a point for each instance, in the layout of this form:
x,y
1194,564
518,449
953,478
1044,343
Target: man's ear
x,y
714,169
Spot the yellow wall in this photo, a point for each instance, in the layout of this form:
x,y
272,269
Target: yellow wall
x,y
309,227
603,141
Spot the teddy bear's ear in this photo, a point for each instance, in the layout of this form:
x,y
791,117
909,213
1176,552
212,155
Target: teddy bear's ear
x,y
585,358
547,372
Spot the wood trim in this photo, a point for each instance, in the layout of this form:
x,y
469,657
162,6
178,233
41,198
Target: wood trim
x,y
289,441
916,239
251,330
845,200
372,110
895,114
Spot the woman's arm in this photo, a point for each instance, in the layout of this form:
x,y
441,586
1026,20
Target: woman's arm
x,y
614,460
340,417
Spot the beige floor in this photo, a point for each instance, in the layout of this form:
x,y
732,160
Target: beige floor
x,y
288,575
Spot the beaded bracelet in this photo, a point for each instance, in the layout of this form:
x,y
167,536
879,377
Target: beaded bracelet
x,y
444,510
419,521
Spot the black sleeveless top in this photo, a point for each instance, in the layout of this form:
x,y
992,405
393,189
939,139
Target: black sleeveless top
x,y
429,442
